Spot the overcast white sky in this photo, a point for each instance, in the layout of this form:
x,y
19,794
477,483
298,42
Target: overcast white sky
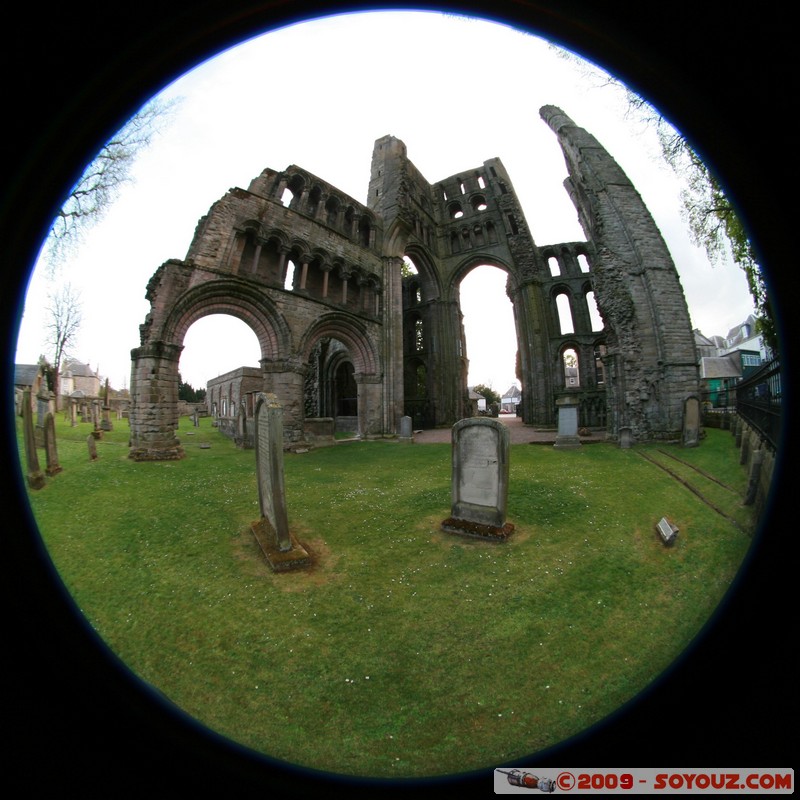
x,y
318,94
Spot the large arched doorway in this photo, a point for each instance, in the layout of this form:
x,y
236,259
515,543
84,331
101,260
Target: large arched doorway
x,y
330,388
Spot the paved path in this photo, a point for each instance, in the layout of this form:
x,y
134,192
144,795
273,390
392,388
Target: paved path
x,y
520,433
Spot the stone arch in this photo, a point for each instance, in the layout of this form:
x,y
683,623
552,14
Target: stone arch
x,y
348,331
472,262
229,297
427,278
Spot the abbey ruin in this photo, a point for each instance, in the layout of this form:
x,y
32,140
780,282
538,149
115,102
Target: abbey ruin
x,y
347,328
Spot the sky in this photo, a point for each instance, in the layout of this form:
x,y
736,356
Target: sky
x,y
456,90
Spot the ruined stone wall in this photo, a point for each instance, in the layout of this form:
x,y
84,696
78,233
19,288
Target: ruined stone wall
x,y
299,262
651,345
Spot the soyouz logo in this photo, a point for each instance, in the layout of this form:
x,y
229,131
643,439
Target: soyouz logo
x,y
648,781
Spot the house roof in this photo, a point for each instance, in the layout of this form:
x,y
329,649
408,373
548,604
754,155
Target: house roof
x,y
720,367
78,370
25,374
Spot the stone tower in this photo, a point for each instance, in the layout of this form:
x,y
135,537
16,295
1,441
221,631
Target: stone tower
x,y
363,300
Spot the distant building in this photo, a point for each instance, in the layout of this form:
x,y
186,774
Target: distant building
x,y
477,403
79,378
27,376
511,398
724,361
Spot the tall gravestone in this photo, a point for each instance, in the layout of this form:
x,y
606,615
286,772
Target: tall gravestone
x,y
567,437
35,477
50,450
480,468
281,549
691,422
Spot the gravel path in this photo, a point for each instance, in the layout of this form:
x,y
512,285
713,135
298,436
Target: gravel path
x,y
520,433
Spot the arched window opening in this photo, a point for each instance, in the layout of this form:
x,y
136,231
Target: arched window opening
x,y
583,263
419,336
479,203
314,198
488,325
481,182
455,211
291,271
364,230
594,312
564,314
409,268
332,211
600,351
569,360
555,267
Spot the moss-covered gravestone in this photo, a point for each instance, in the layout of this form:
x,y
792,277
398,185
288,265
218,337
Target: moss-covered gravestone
x,y
281,549
480,462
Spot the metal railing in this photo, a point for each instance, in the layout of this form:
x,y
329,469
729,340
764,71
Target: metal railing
x,y
758,401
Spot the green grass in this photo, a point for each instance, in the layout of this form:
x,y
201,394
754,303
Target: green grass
x,y
404,651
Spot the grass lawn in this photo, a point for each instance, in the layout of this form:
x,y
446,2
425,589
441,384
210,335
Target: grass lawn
x,y
404,651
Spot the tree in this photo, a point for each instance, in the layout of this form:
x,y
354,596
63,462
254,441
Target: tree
x,y
65,315
710,214
487,392
188,393
101,181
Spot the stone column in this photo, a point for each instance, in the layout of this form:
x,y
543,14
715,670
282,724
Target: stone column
x,y
154,403
285,378
326,268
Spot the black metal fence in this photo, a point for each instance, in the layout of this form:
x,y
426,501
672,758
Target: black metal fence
x,y
758,401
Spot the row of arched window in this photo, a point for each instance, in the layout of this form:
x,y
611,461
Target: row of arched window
x,y
326,206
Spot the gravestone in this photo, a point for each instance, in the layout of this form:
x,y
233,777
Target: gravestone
x,y
97,432
35,477
480,462
625,438
281,549
90,443
50,451
567,437
73,413
405,429
691,422
42,407
667,531
105,423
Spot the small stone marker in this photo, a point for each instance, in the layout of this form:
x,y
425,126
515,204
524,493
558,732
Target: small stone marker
x,y
281,549
405,429
35,477
567,437
90,443
666,531
480,461
691,422
625,438
51,454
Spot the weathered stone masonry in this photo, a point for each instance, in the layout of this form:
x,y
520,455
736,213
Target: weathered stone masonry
x,y
314,272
